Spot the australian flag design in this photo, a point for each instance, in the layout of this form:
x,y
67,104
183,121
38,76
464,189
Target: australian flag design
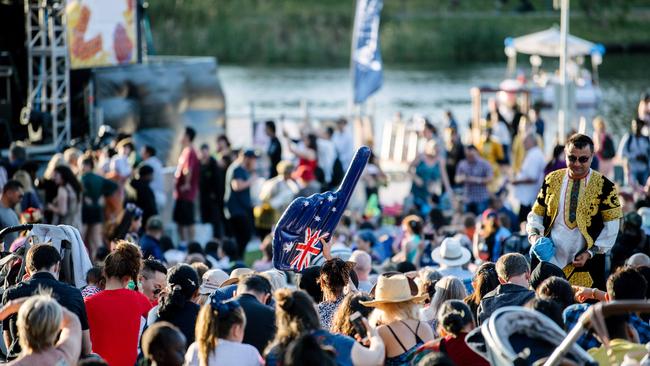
x,y
308,220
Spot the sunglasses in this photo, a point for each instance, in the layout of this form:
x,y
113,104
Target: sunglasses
x,y
582,159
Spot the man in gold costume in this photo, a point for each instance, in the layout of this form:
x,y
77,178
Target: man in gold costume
x,y
575,218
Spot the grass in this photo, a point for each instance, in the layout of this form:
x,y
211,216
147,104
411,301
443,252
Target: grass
x,y
317,32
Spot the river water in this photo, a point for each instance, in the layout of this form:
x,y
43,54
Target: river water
x,y
427,91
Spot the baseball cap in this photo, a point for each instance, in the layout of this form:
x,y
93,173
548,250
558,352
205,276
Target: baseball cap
x,y
212,280
235,275
250,153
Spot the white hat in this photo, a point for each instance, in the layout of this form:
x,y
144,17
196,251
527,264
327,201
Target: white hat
x,y
451,253
212,279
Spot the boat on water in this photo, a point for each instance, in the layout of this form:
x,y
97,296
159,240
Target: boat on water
x,y
544,86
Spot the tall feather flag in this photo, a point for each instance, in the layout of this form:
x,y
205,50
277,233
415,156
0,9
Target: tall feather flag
x,y
366,55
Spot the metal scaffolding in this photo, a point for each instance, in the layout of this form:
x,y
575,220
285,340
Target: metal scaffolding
x,y
48,71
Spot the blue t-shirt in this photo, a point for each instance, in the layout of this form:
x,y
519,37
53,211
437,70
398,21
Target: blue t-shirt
x,y
239,203
150,246
340,343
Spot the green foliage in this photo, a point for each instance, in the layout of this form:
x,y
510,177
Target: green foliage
x,y
317,32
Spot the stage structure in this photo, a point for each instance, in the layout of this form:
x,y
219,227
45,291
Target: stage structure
x,y
47,113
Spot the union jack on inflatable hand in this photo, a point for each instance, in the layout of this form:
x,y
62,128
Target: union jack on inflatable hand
x,y
298,233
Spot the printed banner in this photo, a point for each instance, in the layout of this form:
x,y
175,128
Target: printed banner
x,y
101,32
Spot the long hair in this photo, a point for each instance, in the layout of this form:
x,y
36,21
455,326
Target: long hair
x,y
295,314
124,261
214,321
448,288
183,281
68,177
350,304
485,280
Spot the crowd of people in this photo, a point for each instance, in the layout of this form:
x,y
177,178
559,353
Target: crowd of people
x,y
484,226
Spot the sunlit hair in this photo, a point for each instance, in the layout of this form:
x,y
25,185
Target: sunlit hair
x,y
295,314
212,325
334,276
341,321
448,288
389,312
39,321
56,160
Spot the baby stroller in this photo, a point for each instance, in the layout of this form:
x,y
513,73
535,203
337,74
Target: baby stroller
x,y
75,260
594,318
518,336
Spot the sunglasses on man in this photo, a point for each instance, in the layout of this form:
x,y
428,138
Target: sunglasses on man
x,y
581,159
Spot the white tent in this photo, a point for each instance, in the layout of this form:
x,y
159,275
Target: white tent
x,y
547,43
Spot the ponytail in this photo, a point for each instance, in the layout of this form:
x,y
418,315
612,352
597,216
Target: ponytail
x,y
215,321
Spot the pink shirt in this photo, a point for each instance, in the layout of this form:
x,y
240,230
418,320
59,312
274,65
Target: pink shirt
x,y
188,164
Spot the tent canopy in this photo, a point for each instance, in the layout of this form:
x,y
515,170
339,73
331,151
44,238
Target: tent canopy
x,y
547,43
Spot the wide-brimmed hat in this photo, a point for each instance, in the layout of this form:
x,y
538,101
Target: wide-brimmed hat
x,y
393,289
212,280
451,253
235,275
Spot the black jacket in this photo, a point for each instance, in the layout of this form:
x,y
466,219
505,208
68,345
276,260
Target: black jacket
x,y
68,296
260,322
504,295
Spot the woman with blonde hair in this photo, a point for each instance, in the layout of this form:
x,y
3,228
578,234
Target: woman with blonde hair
x,y
448,288
49,334
396,306
295,315
219,334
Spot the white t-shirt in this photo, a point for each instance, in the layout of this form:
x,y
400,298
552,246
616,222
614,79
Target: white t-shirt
x,y
226,353
326,157
531,168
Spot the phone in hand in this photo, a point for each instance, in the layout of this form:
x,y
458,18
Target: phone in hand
x,y
357,322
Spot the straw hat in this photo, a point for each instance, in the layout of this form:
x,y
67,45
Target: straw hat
x,y
393,289
451,253
235,275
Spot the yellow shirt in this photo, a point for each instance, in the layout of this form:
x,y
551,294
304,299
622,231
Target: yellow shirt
x,y
619,348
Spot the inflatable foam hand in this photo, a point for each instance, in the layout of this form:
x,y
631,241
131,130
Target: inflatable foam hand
x,y
298,233
543,248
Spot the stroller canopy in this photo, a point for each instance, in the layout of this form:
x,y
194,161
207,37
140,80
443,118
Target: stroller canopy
x,y
78,254
518,336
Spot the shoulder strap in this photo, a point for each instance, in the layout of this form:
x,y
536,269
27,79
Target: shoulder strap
x,y
396,338
415,333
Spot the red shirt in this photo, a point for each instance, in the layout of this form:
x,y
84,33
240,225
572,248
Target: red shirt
x,y
114,318
188,163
